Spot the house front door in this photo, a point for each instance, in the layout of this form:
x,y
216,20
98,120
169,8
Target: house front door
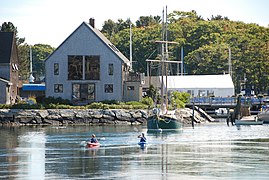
x,y
83,93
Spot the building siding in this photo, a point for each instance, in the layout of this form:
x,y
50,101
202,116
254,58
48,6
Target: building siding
x,y
84,42
4,94
9,67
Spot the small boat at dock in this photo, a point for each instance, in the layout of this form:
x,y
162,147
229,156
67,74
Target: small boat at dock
x,y
249,120
263,115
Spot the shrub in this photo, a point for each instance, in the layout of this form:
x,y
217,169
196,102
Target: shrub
x,y
179,99
53,100
147,101
5,106
134,103
31,100
26,106
110,102
95,105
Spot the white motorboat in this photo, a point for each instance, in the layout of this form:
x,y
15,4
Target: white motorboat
x,y
263,115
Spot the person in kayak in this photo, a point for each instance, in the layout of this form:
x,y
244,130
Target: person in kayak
x,y
93,139
142,137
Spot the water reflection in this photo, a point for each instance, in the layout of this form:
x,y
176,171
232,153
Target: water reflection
x,y
212,151
31,155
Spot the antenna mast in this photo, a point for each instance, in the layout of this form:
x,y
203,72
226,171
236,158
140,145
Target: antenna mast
x,y
131,52
31,77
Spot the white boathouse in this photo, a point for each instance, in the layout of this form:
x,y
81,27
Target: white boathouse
x,y
196,85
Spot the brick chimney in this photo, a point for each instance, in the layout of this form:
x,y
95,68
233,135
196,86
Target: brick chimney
x,y
91,22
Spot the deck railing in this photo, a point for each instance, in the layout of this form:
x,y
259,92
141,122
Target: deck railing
x,y
226,100
213,100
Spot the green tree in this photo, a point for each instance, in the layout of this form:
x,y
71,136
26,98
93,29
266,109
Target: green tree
x,y
110,28
148,101
218,17
9,27
40,53
24,62
144,21
152,92
206,45
179,99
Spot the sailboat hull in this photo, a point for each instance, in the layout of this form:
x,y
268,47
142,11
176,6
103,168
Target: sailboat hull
x,y
163,123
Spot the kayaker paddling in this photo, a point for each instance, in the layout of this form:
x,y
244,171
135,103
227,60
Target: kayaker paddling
x,y
142,137
93,139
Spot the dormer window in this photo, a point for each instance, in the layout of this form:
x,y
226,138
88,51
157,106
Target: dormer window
x,y
16,67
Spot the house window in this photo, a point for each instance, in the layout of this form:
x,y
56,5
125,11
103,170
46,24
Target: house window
x,y
75,67
92,67
83,91
210,93
202,93
110,69
130,88
58,88
56,68
191,92
108,88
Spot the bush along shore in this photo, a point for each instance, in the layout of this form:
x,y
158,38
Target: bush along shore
x,y
63,117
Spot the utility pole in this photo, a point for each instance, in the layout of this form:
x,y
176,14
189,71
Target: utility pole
x,y
31,77
131,49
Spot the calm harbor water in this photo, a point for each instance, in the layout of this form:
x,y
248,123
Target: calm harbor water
x,y
209,151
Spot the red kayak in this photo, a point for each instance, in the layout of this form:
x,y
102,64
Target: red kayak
x,y
93,145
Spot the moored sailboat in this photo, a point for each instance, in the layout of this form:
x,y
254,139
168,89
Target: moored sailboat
x,y
163,122
159,119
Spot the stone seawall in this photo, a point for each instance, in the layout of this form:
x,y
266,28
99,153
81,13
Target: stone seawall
x,y
62,117
71,116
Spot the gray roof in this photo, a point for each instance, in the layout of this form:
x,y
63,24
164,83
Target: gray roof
x,y
103,39
6,39
108,43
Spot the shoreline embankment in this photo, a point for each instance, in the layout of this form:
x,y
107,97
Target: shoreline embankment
x,y
60,117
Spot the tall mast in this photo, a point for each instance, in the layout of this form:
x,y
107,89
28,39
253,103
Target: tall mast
x,y
31,77
166,59
131,55
162,64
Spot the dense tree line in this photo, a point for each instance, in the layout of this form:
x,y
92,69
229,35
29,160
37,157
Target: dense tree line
x,y
39,53
206,45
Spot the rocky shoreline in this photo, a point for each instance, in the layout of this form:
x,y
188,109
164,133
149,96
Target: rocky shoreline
x,y
63,117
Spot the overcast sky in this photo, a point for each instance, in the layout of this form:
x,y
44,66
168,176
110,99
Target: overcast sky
x,y
52,21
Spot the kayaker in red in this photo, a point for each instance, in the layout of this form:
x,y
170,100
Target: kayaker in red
x,y
93,142
93,139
